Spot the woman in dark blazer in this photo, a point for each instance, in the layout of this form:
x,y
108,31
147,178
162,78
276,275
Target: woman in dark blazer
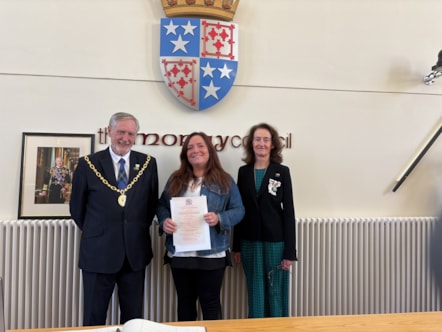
x,y
265,240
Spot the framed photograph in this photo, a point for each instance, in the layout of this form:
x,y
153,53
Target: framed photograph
x,y
48,164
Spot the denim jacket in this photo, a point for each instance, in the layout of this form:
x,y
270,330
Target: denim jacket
x,y
228,206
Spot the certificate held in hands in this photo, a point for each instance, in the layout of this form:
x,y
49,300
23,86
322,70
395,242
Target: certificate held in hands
x,y
192,231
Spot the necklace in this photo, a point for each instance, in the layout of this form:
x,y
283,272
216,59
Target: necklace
x,y
122,198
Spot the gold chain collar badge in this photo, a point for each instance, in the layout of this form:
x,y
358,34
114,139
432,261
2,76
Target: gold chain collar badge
x,y
122,197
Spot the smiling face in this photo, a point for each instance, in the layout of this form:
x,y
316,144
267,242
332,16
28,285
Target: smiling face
x,y
197,152
262,143
122,136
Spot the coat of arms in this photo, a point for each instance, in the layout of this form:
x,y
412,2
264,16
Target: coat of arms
x,y
199,56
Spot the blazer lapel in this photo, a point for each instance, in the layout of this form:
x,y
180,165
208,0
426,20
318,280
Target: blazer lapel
x,y
108,167
249,180
270,173
135,165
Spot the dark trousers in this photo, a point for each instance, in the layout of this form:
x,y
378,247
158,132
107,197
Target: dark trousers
x,y
98,289
204,285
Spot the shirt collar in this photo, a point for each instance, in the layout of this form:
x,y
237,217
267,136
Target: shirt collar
x,y
116,158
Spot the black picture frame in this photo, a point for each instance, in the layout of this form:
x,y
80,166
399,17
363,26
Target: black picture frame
x,y
45,189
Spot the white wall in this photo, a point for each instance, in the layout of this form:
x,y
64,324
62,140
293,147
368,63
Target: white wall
x,y
344,77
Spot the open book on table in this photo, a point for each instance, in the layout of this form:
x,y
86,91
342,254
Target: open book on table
x,y
144,325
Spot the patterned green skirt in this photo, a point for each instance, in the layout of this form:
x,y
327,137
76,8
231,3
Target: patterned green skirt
x,y
267,283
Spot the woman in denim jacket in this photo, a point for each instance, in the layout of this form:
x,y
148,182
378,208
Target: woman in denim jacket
x,y
199,274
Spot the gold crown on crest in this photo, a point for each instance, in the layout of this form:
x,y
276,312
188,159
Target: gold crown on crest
x,y
219,9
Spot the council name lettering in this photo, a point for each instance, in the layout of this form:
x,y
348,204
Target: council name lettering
x,y
220,142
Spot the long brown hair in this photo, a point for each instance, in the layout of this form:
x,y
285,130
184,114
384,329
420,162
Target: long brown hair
x,y
214,174
275,153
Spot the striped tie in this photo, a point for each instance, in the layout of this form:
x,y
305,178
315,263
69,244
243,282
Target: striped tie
x,y
122,177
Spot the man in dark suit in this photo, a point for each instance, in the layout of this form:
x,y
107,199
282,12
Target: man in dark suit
x,y
115,220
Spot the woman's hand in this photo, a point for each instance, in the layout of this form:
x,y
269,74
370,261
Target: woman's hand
x,y
286,264
236,257
211,218
169,226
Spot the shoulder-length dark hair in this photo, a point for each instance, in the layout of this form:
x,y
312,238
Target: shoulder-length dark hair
x,y
214,173
275,153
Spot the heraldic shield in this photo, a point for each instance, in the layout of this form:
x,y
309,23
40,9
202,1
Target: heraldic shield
x,y
198,59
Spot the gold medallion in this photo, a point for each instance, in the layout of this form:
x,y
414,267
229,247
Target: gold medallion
x,y
122,200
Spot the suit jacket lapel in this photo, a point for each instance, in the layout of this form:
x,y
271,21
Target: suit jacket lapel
x,y
249,181
108,167
135,165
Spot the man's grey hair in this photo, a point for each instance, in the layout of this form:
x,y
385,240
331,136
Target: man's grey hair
x,y
123,116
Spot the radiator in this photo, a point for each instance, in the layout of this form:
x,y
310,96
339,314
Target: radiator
x,y
346,266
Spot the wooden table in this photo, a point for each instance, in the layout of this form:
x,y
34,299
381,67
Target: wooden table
x,y
403,322
428,321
